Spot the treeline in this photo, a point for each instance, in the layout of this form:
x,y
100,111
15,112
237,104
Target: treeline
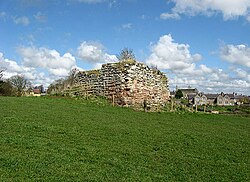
x,y
18,85
59,85
14,86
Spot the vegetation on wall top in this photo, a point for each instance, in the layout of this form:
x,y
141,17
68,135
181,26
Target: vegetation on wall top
x,y
126,54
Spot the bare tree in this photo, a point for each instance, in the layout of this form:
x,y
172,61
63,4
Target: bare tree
x,y
1,72
56,86
20,83
61,84
70,79
126,54
73,72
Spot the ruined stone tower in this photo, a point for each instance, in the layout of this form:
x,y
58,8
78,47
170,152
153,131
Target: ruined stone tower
x,y
127,83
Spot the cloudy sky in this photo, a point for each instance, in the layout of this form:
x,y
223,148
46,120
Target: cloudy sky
x,y
199,43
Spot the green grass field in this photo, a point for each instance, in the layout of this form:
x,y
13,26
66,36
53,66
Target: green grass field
x,y
60,139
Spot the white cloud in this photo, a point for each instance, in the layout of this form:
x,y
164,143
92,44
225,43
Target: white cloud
x,y
98,66
39,65
182,69
127,26
48,59
60,72
10,66
23,20
166,16
230,9
205,69
218,81
94,53
242,74
166,54
248,18
39,78
236,54
43,65
40,17
211,80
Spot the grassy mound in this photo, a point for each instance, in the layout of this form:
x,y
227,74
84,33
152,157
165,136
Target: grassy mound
x,y
58,139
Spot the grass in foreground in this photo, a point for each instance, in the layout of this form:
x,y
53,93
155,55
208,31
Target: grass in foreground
x,y
56,139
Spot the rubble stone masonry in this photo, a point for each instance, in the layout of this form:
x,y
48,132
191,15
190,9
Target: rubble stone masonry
x,y
127,83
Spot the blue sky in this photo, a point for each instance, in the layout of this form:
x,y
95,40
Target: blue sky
x,y
197,43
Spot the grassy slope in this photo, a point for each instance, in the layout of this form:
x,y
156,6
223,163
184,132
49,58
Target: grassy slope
x,y
64,139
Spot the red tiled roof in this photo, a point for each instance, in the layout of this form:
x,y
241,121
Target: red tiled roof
x,y
37,91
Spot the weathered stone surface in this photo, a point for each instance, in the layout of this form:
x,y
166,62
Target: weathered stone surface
x,y
130,84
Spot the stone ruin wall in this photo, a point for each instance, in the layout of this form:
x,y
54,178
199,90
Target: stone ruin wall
x,y
130,84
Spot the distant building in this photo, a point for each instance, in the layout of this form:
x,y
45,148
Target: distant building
x,y
200,99
211,98
224,99
188,92
215,99
238,99
37,91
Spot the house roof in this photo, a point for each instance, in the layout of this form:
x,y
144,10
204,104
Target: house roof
x,y
214,96
37,91
232,96
189,90
211,96
239,96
